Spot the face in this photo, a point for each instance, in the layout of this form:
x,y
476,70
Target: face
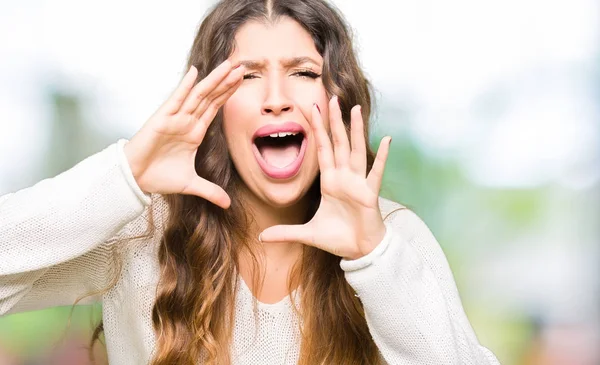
x,y
267,120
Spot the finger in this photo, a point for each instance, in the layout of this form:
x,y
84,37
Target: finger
x,y
341,146
174,102
208,115
358,156
287,233
376,173
232,80
209,191
324,150
205,87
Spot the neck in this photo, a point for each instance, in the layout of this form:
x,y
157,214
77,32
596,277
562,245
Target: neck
x,y
265,216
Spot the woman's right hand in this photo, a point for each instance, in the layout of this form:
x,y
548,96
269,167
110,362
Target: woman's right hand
x,y
161,154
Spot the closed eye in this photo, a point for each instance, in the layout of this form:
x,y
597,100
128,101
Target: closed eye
x,y
303,74
306,73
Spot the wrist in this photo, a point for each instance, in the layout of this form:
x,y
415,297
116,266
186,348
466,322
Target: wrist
x,y
130,153
125,168
366,245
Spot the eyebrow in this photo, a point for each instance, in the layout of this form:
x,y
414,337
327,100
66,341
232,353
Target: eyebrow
x,y
287,62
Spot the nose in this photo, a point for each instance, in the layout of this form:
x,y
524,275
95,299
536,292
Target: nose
x,y
276,100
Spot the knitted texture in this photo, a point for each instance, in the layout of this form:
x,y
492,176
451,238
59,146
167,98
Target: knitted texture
x,y
62,238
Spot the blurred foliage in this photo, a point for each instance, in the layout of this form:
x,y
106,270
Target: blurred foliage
x,y
34,333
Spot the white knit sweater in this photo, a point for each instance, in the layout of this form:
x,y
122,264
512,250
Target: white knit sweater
x,y
58,240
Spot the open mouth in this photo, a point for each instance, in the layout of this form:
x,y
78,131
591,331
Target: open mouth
x,y
279,150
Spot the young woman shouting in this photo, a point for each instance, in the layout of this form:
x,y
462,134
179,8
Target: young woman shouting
x,y
242,224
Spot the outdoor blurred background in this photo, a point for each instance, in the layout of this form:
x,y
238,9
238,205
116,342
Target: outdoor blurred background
x,y
493,106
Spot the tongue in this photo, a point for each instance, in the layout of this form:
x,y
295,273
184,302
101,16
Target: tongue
x,y
280,156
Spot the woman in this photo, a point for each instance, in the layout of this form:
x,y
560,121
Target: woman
x,y
232,229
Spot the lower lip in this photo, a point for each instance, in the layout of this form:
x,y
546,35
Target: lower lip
x,y
284,172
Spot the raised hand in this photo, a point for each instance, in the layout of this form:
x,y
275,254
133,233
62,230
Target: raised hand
x,y
348,222
162,153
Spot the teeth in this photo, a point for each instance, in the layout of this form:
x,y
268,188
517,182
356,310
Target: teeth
x,y
282,134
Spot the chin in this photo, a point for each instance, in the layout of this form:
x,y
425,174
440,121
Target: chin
x,y
283,195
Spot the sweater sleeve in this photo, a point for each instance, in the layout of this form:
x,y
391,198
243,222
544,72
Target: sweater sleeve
x,y
412,305
56,236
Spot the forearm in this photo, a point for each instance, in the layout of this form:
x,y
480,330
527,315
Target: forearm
x,y
411,314
63,217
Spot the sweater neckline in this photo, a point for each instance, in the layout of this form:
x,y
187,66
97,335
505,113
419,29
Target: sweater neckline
x,y
285,302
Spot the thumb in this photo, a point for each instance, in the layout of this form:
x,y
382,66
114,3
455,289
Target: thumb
x,y
288,233
209,191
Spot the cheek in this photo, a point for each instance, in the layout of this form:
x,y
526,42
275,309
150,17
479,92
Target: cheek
x,y
232,114
324,106
308,96
234,117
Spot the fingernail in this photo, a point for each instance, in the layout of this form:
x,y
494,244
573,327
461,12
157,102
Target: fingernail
x,y
319,109
259,238
337,99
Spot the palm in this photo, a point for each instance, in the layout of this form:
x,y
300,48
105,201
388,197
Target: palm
x,y
163,152
348,218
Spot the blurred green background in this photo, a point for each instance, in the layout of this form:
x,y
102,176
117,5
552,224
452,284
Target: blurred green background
x,y
493,109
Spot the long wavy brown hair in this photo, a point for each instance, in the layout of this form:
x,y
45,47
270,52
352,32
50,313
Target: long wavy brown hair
x,y
202,243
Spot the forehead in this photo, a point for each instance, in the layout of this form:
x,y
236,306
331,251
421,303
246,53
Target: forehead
x,y
272,42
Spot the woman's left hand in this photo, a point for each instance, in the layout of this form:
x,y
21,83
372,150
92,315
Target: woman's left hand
x,y
348,221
